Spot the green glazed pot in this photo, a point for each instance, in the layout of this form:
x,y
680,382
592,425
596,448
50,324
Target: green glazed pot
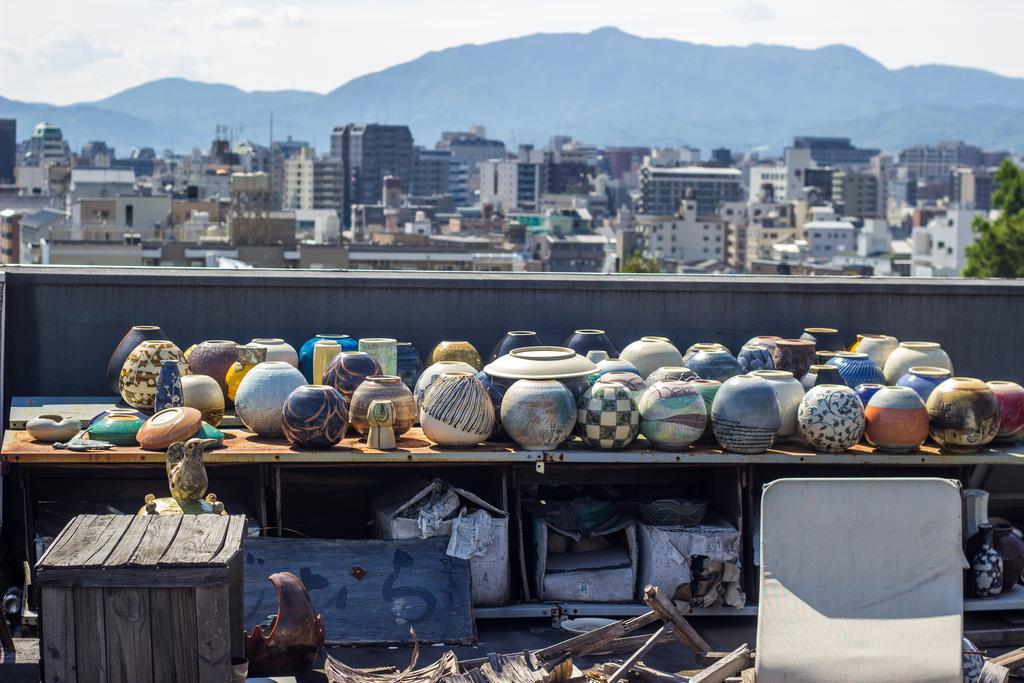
x,y
117,427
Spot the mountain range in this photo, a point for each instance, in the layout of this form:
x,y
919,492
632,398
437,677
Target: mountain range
x,y
605,87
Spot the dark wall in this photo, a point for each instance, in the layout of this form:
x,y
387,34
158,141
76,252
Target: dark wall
x,y
63,323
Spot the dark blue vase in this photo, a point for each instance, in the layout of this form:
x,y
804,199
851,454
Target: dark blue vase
x,y
582,341
168,386
516,339
346,343
409,364
496,388
856,368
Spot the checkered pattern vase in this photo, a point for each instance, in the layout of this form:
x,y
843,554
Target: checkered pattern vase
x,y
607,417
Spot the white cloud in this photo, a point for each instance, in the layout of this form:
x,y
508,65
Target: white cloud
x,y
249,18
751,10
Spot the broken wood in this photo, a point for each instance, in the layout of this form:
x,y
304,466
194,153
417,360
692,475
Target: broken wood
x,y
994,673
1011,660
735,662
338,672
588,642
631,643
628,665
747,676
643,673
681,628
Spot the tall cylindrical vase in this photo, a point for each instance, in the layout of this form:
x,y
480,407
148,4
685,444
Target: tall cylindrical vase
x,y
323,351
382,350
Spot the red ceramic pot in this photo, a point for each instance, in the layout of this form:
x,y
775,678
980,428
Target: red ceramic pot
x,y
1010,396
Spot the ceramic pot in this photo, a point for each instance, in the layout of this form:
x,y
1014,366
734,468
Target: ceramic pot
x,y
324,351
614,365
972,661
1011,549
308,350
278,350
866,391
767,340
1010,396
923,379
129,341
457,411
168,386
964,415
409,364
670,373
261,396
793,355
746,415
707,388
314,416
694,348
516,339
119,427
878,347
987,567
755,357
141,370
382,350
912,354
51,428
582,341
856,368
831,418
713,362
822,374
347,370
650,353
203,393
541,362
247,356
457,350
823,357
382,388
496,388
789,392
432,373
824,338
169,426
607,416
895,420
672,414
627,380
577,386
538,414
213,358
975,512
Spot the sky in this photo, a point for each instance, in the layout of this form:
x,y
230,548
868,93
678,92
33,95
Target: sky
x,y
83,50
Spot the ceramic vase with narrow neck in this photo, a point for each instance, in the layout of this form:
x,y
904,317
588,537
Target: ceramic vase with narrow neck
x,y
924,379
324,350
457,411
409,364
821,374
131,339
538,414
434,372
878,347
381,388
314,416
857,368
964,415
987,567
746,415
308,349
382,350
168,386
713,361
911,354
203,393
896,420
348,370
141,370
789,392
607,416
247,356
831,418
672,414
650,353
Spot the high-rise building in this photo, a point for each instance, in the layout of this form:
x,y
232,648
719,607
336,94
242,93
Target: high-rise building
x,y
857,193
311,183
431,172
972,188
661,189
368,152
46,146
8,150
835,152
932,162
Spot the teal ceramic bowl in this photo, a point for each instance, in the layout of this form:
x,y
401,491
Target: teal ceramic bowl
x,y
119,428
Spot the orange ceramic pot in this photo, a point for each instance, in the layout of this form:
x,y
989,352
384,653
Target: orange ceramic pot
x,y
896,419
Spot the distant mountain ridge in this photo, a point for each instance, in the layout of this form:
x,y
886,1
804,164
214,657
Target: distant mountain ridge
x,y
605,87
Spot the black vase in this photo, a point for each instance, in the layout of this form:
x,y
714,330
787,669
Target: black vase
x,y
515,339
583,341
131,339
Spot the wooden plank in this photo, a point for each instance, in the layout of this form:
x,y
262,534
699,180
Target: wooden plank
x,y
180,577
128,632
90,635
62,538
748,676
213,623
90,536
589,642
112,537
130,541
232,540
369,591
631,661
733,663
58,636
681,628
994,673
174,635
199,539
159,536
83,408
1013,659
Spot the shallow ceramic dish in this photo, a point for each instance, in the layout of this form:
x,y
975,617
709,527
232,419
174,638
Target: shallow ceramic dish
x,y
541,362
585,624
119,427
52,428
168,426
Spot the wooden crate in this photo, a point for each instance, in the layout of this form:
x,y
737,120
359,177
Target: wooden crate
x,y
142,599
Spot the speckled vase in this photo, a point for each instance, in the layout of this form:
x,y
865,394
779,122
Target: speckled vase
x,y
382,350
213,358
825,338
607,416
746,415
713,361
878,347
789,392
707,388
923,379
457,350
129,341
895,420
670,373
538,414
432,373
457,411
794,355
495,388
583,341
516,339
380,388
141,370
650,353
627,380
261,396
672,414
1010,396
831,418
964,415
409,364
755,357
278,350
348,370
306,351
911,354
856,368
248,356
314,416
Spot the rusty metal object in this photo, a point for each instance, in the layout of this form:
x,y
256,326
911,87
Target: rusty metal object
x,y
294,637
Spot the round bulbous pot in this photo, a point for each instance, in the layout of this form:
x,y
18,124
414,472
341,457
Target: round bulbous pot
x,y
694,348
746,414
707,388
1010,396
878,347
821,374
831,418
496,388
348,370
51,428
435,371
896,420
278,350
824,338
789,392
1011,549
963,414
515,339
794,355
866,391
672,414
923,379
141,370
911,354
856,368
538,414
457,410
650,353
344,341
132,338
768,340
457,350
713,362
670,373
248,356
262,393
633,384
314,416
213,358
754,357
614,365
204,394
583,341
607,416
381,388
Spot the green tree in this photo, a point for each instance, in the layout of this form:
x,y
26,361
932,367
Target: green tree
x,y
998,250
636,263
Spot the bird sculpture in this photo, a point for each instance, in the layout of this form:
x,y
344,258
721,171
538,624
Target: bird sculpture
x,y
187,481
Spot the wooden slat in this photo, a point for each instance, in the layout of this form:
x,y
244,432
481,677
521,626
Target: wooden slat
x,y
90,634
158,538
681,628
1013,659
129,643
733,663
631,661
588,642
90,537
171,577
173,632
213,634
129,541
232,540
994,673
748,676
62,538
58,642
199,539
113,536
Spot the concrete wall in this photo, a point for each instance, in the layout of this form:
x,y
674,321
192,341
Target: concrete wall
x,y
62,323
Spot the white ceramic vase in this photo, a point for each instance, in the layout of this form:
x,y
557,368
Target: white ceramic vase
x,y
911,354
261,394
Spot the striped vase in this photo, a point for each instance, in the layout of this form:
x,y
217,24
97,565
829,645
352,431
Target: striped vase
x,y
457,411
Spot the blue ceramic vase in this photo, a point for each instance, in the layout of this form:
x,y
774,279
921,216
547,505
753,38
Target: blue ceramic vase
x,y
746,414
348,370
582,341
825,338
409,364
856,368
538,414
755,357
516,339
712,361
923,379
346,343
866,391
168,386
314,416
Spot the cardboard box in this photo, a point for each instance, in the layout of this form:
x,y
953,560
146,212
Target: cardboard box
x,y
595,576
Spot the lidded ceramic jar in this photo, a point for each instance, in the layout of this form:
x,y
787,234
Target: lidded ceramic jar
x,y
755,357
247,356
896,420
911,354
132,338
314,416
831,418
713,361
380,388
306,351
456,410
382,350
261,395
278,350
856,368
670,373
878,347
348,370
457,350
650,353
538,414
203,393
515,339
213,358
923,379
1010,396
607,416
141,370
583,341
672,414
790,392
794,355
964,415
746,415
434,372
824,338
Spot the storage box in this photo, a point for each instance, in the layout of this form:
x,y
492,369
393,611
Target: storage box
x,y
422,508
670,558
607,575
